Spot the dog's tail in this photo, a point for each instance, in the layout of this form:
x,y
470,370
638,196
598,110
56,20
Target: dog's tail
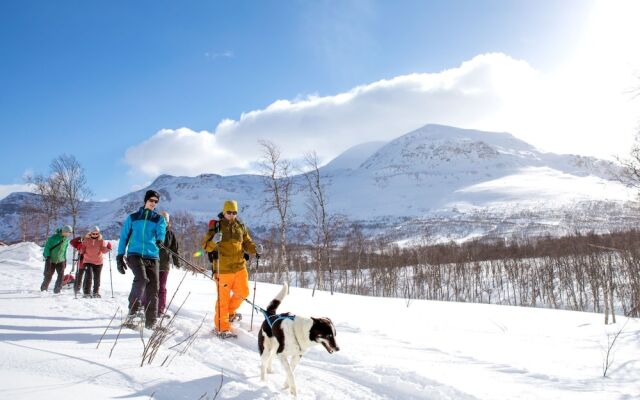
x,y
275,303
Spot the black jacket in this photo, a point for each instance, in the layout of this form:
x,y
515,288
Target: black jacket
x,y
170,242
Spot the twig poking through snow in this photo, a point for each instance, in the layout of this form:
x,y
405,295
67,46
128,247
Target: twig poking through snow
x,y
108,326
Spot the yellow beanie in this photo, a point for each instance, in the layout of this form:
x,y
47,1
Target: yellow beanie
x,y
230,205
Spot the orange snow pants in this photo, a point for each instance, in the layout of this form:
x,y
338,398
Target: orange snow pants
x,y
228,303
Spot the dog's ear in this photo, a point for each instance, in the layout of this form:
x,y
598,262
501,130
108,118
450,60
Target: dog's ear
x,y
325,320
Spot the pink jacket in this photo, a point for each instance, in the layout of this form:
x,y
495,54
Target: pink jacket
x,y
92,250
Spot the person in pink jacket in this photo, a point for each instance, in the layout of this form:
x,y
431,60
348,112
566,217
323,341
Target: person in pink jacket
x,y
92,248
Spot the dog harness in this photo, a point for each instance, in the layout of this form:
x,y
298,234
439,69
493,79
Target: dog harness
x,y
271,319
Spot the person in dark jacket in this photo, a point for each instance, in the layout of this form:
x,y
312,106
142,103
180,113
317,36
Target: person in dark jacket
x,y
140,237
171,243
55,256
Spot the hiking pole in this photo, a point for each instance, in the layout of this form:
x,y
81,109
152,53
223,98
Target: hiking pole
x,y
76,284
254,292
110,274
192,267
217,260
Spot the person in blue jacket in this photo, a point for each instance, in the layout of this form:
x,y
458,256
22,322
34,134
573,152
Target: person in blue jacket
x,y
141,235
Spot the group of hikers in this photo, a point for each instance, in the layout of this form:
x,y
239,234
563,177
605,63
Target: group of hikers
x,y
147,247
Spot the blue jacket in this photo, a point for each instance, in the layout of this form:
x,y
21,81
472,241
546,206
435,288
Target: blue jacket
x,y
140,232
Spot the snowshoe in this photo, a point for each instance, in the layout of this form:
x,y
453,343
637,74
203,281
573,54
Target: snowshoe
x,y
131,324
86,296
96,295
134,321
225,335
235,317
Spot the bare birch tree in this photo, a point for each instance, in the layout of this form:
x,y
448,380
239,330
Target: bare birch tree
x,y
49,201
630,174
279,187
317,211
69,176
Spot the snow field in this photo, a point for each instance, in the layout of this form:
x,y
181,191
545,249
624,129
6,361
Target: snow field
x,y
428,350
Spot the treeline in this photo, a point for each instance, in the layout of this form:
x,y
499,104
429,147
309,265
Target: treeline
x,y
590,272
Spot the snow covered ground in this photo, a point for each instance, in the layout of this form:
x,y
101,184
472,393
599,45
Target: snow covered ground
x,y
426,350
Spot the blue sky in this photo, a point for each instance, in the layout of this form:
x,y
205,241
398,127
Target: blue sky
x,y
95,79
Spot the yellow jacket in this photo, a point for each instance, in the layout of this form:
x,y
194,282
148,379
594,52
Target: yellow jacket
x,y
235,241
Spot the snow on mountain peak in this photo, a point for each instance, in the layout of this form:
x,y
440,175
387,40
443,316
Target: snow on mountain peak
x,y
438,148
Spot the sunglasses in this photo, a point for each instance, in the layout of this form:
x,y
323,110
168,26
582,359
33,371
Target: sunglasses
x,y
153,200
232,212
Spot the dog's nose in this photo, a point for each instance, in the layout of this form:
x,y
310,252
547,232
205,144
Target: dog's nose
x,y
337,348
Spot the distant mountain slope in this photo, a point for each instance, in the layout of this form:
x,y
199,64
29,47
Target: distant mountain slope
x,y
427,175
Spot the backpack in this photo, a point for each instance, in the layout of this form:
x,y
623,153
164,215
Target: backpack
x,y
68,280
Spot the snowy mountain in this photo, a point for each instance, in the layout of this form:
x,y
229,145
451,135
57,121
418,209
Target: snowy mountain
x,y
389,350
446,182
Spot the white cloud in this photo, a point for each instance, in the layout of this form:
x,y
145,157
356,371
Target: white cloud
x,y
382,110
6,190
581,107
224,54
181,152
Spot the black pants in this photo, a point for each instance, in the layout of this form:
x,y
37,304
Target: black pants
x,y
90,272
145,286
49,269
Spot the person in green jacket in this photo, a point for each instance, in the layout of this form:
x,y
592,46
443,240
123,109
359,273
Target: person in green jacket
x,y
55,255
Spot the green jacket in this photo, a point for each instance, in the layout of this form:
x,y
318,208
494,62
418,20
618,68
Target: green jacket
x,y
56,247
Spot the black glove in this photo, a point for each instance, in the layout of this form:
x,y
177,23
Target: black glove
x,y
122,266
246,256
177,265
213,255
160,244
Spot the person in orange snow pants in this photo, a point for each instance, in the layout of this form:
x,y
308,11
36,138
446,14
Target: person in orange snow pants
x,y
226,242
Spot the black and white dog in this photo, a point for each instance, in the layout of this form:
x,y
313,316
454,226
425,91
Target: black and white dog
x,y
290,336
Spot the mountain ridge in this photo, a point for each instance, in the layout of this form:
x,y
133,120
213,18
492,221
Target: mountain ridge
x,y
423,174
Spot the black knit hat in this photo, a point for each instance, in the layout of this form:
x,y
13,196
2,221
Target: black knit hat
x,y
150,194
